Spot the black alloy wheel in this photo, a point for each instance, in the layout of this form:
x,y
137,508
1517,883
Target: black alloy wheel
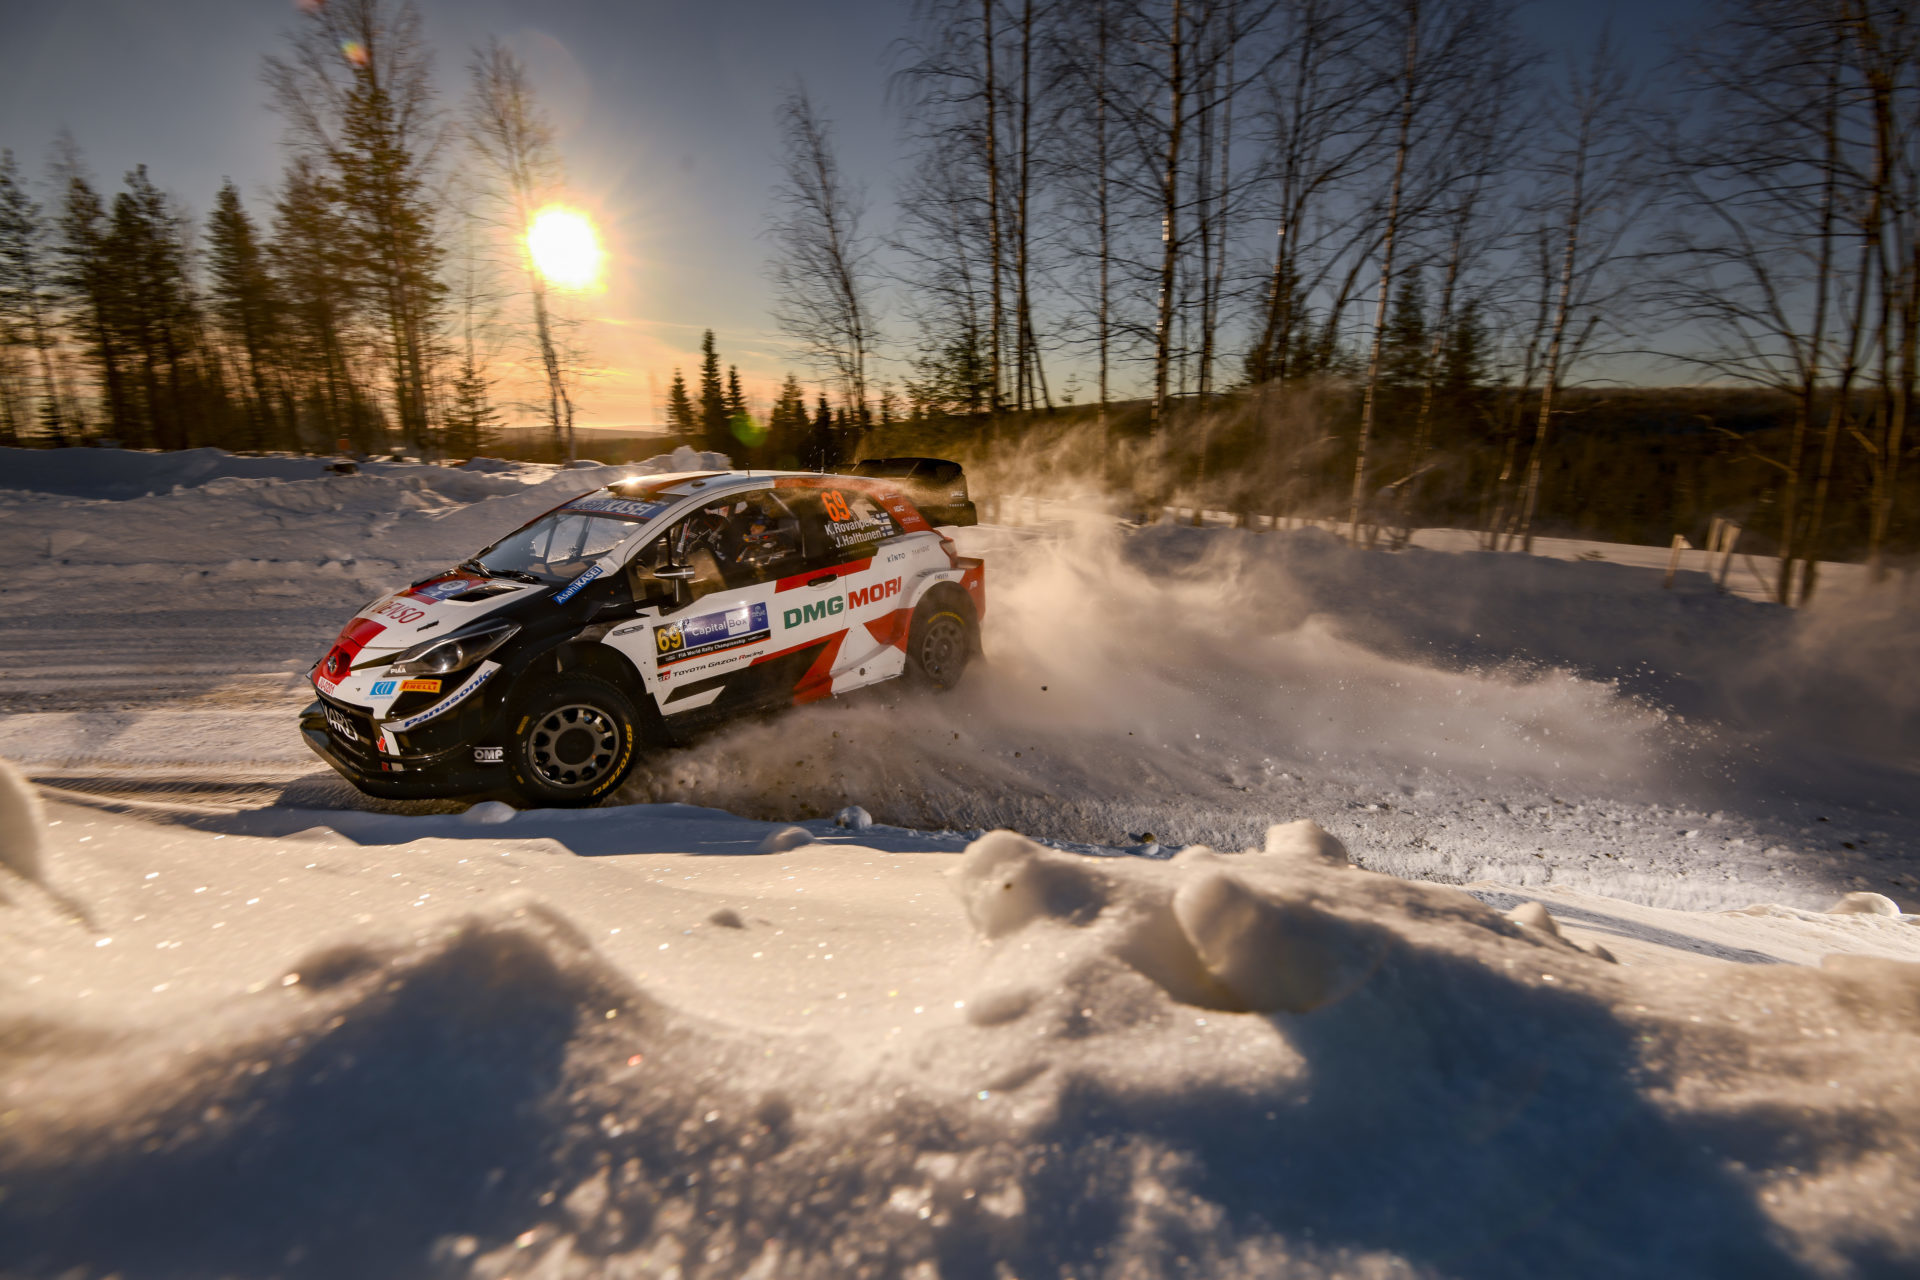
x,y
938,644
573,741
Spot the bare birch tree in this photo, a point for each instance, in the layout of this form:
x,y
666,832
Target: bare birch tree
x,y
821,270
513,138
1589,179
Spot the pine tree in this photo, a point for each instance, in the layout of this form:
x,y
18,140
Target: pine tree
x,y
715,428
680,416
823,443
91,296
1462,393
247,307
155,317
322,301
471,418
736,402
25,289
1403,358
358,95
787,427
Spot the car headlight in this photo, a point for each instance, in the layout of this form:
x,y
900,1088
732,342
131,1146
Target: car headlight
x,y
452,653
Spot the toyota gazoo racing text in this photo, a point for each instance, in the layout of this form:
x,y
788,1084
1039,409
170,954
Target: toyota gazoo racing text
x,y
632,617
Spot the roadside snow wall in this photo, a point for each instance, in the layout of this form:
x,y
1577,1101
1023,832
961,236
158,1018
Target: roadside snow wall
x,y
1266,1064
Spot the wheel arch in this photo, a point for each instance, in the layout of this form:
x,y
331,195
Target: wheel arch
x,y
576,655
951,595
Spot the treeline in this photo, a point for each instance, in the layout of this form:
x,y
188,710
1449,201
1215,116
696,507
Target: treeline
x,y
1189,198
367,307
790,436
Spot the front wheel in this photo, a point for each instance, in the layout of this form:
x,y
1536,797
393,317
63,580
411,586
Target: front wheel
x,y
573,741
939,643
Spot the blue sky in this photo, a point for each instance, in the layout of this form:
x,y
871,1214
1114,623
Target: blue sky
x,y
666,112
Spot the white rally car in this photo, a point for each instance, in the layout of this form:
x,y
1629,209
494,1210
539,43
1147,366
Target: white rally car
x,y
633,617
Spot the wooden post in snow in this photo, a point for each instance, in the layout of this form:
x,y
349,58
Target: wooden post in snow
x,y
1673,559
1729,535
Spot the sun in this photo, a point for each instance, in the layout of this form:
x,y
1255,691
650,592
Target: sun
x,y
565,247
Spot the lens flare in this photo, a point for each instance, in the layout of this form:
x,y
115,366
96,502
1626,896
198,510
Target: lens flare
x,y
354,52
565,247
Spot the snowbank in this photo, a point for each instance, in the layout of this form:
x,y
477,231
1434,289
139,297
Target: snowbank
x,y
484,1057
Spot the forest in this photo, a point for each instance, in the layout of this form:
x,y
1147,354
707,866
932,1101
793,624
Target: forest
x,y
1383,262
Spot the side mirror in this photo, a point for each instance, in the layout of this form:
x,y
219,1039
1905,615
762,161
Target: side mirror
x,y
615,610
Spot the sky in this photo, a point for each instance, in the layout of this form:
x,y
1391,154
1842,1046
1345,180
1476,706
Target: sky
x,y
666,117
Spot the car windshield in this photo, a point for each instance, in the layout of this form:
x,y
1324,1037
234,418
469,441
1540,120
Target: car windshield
x,y
557,547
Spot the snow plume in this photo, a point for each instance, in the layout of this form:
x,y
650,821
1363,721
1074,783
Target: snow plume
x,y
1248,1065
1167,682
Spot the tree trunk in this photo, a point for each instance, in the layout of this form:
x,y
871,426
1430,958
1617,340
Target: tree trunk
x,y
993,211
1409,73
1170,207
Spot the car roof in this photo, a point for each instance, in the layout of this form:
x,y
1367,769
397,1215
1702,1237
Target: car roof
x,y
707,484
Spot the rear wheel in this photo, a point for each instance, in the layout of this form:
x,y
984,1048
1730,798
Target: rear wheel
x,y
573,741
939,643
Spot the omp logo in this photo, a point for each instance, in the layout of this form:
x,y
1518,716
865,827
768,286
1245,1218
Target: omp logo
x,y
854,599
874,594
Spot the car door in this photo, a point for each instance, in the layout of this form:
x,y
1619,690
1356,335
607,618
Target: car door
x,y
853,594
703,653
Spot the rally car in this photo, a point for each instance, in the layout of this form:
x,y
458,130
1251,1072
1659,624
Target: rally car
x,y
633,617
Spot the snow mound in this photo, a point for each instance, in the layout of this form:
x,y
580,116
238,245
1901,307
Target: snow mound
x,y
784,839
22,824
1225,1064
130,473
1865,904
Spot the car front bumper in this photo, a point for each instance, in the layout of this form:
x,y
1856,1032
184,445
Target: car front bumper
x,y
446,773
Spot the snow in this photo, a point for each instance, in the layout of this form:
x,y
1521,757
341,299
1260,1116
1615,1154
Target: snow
x,y
1438,914
22,826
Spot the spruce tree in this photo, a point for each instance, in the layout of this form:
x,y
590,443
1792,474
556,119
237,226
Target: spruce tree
x,y
715,429
25,289
322,303
92,296
736,402
247,307
471,418
680,416
1403,358
823,444
358,95
144,251
787,427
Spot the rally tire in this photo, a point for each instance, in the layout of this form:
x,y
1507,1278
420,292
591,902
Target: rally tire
x,y
574,739
939,642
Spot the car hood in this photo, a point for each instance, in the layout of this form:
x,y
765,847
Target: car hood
x,y
425,611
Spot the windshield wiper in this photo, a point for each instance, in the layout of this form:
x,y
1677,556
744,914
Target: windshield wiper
x,y
515,575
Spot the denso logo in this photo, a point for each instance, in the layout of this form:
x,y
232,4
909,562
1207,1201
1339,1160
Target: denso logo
x,y
861,596
399,611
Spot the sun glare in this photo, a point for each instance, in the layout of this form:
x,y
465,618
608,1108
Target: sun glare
x,y
565,247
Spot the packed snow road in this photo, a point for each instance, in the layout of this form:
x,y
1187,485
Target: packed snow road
x,y
1463,717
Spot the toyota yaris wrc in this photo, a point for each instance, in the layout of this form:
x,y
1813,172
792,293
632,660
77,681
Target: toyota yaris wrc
x,y
633,617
